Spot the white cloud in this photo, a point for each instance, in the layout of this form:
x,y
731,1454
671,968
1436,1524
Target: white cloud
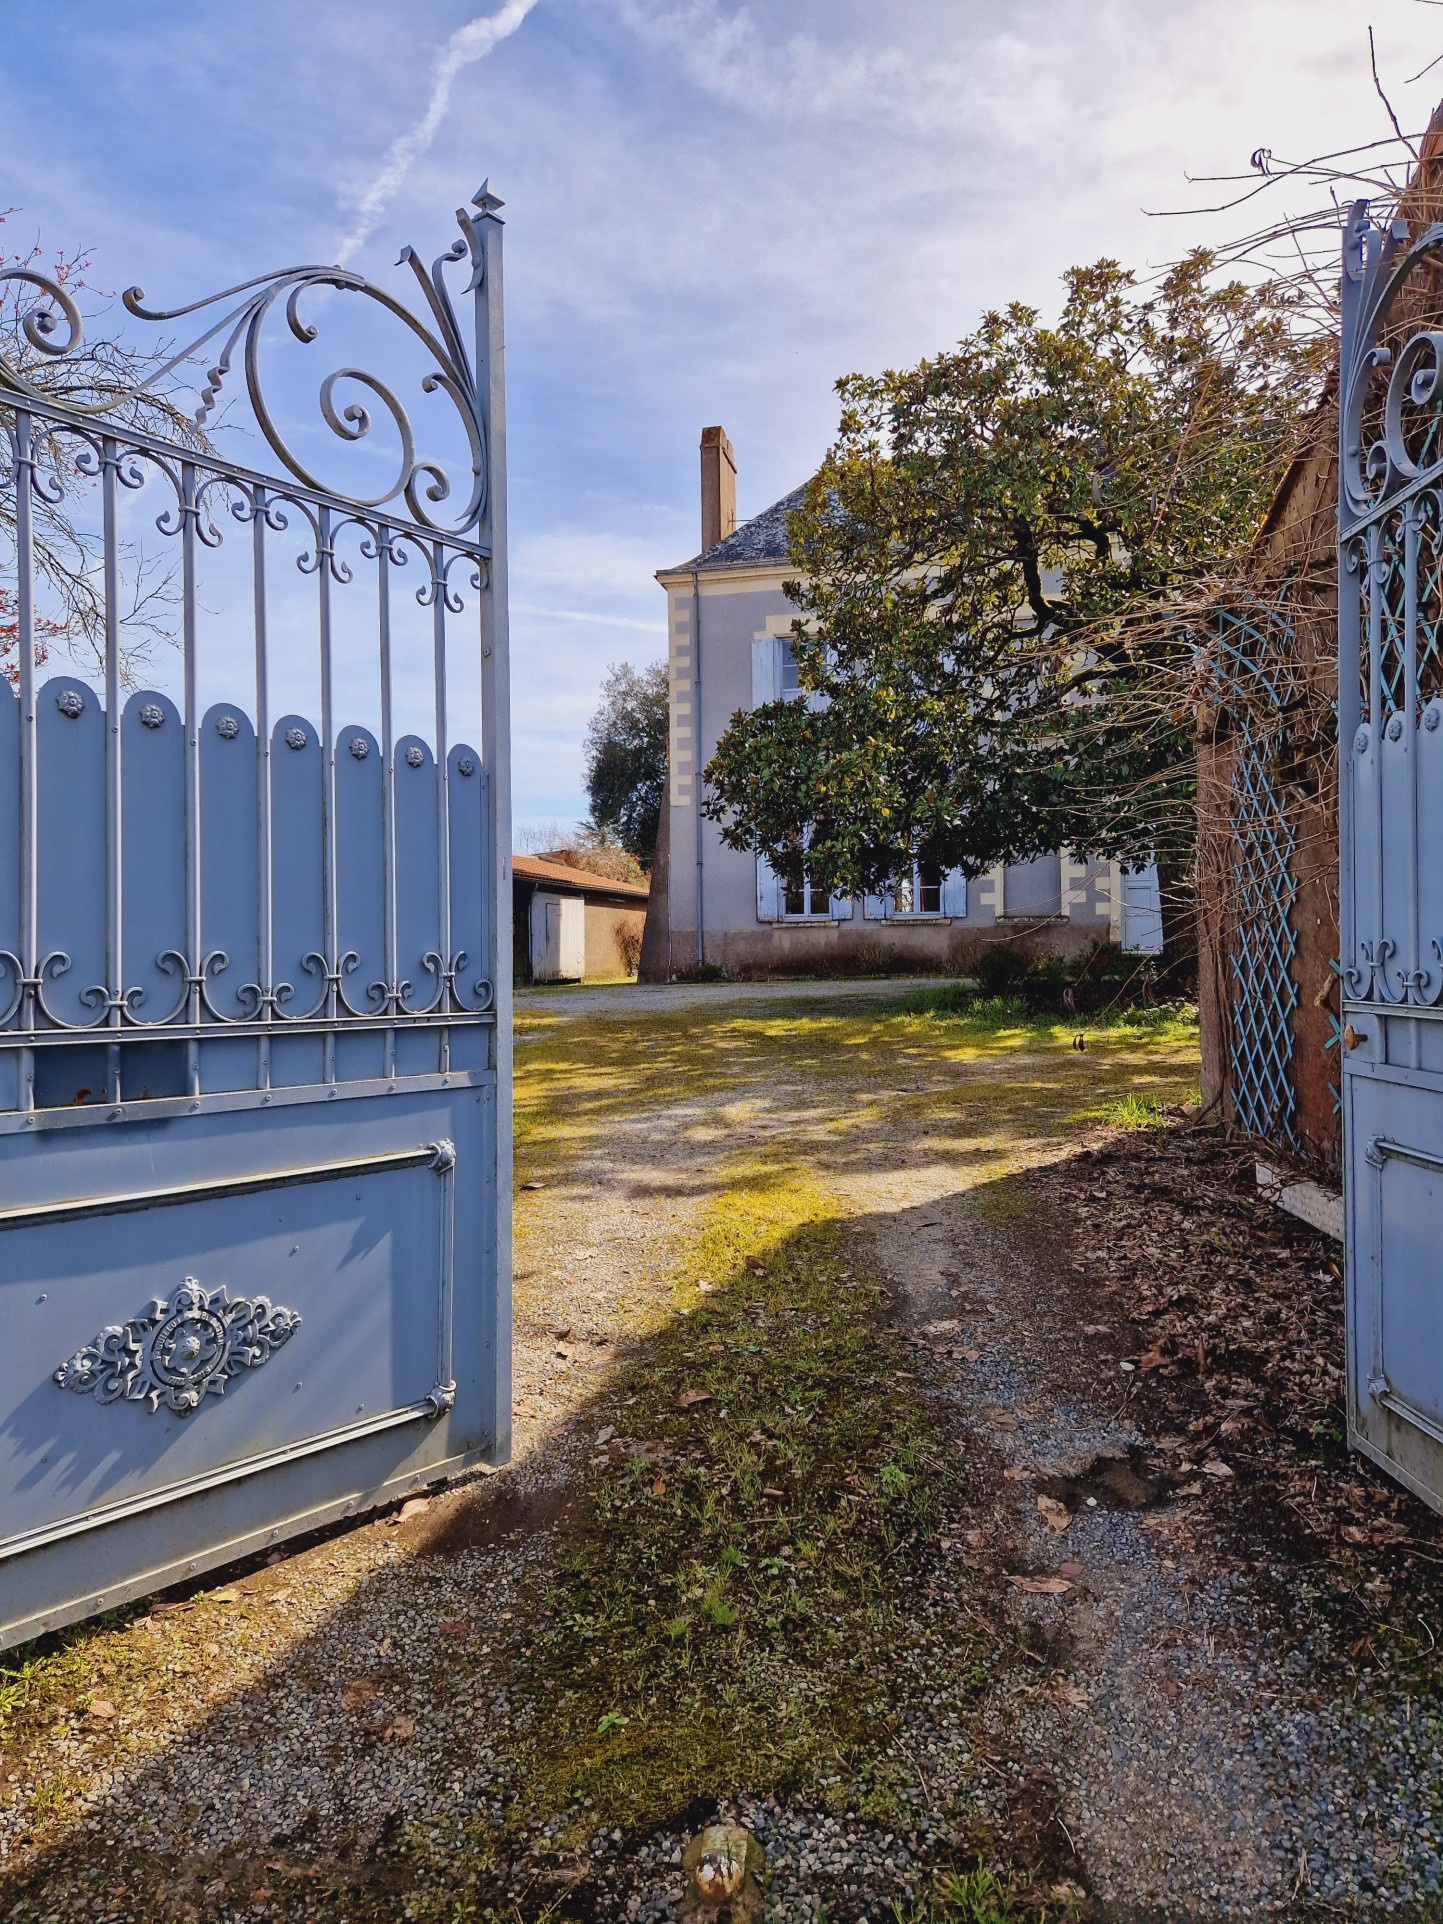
x,y
466,46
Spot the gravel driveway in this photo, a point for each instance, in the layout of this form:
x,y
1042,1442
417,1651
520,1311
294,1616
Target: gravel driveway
x,y
1158,1727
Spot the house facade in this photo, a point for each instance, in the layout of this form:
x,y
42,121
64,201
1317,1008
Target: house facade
x,y
728,648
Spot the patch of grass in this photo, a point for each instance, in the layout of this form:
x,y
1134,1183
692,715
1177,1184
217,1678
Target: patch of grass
x,y
1136,1110
979,1896
964,999
965,1897
729,1612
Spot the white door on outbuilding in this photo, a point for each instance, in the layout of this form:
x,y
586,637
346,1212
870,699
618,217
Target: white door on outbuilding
x,y
558,938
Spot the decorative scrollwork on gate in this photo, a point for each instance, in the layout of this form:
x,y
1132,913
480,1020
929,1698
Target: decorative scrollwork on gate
x,y
181,1350
54,329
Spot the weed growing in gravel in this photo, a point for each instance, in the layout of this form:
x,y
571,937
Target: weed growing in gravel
x,y
980,1897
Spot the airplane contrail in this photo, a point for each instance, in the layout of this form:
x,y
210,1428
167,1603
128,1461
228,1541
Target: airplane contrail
x,y
468,44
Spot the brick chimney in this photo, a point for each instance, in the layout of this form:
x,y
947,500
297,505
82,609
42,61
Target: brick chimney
x,y
718,487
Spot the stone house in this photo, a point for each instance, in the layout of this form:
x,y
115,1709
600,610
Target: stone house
x,y
728,648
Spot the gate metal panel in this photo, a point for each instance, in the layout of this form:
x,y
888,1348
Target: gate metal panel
x,y
1390,730
254,972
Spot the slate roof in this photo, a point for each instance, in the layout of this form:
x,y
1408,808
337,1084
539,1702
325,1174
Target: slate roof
x,y
756,542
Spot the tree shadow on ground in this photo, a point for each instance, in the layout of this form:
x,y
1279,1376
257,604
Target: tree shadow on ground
x,y
754,1589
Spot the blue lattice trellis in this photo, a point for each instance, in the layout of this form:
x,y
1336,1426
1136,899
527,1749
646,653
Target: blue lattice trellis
x,y
1264,992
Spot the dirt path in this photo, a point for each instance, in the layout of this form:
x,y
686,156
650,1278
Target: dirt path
x,y
813,1325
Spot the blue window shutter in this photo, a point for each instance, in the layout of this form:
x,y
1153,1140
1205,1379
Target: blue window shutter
x,y
840,906
954,892
769,892
766,670
876,908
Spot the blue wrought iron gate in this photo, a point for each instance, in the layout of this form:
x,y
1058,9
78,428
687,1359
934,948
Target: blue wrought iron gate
x,y
1390,721
254,922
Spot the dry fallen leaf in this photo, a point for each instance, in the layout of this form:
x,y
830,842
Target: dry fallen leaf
x,y
400,1728
1017,1473
1041,1586
967,1355
771,1489
1055,1515
689,1399
1071,1693
453,1626
1073,1570
535,1183
225,1596
941,1328
359,1692
414,1506
1189,1489
1216,1467
101,1708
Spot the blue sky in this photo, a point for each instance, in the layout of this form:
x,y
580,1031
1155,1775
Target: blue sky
x,y
713,210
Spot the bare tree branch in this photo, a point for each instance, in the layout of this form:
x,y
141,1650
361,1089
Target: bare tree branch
x,y
1378,85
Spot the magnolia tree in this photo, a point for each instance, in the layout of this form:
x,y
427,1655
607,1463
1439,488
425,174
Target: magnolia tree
x,y
1000,564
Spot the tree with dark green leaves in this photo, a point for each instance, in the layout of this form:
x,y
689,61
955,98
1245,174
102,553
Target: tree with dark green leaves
x,y
625,751
1001,564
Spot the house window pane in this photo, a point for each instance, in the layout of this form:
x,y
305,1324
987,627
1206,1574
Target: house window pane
x,y
929,888
790,685
904,902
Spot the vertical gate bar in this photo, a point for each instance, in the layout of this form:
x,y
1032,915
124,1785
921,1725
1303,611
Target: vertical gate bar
x,y
25,645
443,816
1350,586
496,754
328,790
260,506
110,536
192,772
1411,985
1377,577
384,564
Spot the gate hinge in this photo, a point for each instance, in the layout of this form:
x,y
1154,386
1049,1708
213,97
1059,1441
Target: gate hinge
x,y
442,1398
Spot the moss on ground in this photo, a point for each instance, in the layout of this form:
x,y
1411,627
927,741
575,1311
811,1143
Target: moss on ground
x,y
728,1613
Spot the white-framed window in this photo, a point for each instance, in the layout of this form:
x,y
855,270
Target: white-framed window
x,y
787,670
928,890
920,892
802,897
792,894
